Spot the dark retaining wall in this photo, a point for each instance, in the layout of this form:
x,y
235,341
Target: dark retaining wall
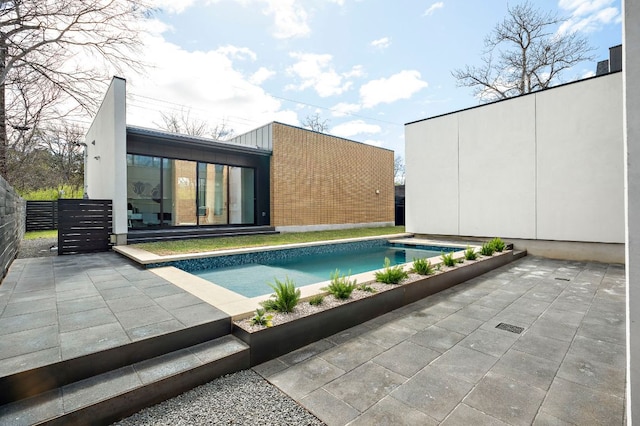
x,y
12,214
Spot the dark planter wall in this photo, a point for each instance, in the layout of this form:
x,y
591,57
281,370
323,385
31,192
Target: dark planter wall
x,y
12,225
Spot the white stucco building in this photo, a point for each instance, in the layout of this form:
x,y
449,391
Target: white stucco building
x,y
544,170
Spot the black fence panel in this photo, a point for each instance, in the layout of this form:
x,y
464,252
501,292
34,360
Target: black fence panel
x,y
12,210
42,215
84,226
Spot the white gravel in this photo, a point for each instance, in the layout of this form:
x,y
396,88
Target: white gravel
x,y
242,398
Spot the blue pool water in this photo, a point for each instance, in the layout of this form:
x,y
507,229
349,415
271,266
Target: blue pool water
x,y
251,280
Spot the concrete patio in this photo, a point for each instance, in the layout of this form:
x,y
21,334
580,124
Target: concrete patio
x,y
443,361
437,361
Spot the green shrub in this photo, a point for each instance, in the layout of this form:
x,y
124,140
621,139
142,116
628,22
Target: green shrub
x,y
448,260
391,274
422,267
470,253
487,249
498,244
285,298
261,318
52,194
316,300
341,286
367,288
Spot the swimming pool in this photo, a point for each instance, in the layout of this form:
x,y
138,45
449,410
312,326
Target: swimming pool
x,y
251,279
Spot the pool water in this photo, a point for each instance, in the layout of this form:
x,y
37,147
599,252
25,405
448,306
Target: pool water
x,y
251,280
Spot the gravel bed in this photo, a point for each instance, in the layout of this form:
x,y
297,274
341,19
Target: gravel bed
x,y
242,398
38,247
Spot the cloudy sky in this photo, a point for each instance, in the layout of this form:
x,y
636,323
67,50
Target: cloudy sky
x,y
365,66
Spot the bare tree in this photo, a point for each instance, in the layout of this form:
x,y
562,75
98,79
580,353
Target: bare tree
x,y
398,170
313,122
184,124
41,43
222,132
524,53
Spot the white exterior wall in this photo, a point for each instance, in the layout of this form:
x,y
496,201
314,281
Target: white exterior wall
x,y
543,166
431,196
106,176
580,162
631,71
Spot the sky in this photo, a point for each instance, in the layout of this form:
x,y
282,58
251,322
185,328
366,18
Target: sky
x,y
367,67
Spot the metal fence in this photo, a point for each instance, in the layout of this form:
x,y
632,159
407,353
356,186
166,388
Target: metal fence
x,y
42,215
84,226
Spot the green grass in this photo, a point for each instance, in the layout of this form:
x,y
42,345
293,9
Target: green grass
x,y
33,235
225,243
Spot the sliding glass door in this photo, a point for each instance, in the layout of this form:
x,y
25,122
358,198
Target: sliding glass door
x,y
168,192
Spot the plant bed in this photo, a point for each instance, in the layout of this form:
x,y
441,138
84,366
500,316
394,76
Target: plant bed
x,y
304,326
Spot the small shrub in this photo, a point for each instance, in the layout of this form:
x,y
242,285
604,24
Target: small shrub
x,y
487,249
367,288
422,267
448,260
341,286
262,318
316,300
286,296
470,253
498,244
391,274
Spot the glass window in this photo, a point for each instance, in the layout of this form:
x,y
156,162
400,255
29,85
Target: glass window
x,y
143,191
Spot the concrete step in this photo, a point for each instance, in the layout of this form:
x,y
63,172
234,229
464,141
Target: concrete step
x,y
35,381
112,395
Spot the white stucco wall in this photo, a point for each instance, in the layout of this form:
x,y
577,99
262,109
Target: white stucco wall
x,y
631,71
106,175
542,166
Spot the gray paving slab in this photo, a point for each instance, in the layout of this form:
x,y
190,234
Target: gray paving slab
x,y
567,366
63,307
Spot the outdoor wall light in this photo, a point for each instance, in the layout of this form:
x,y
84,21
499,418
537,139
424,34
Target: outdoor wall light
x,y
93,142
97,157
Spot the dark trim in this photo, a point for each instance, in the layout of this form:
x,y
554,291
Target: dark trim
x,y
513,97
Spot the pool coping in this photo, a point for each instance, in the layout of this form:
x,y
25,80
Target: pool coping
x,y
145,258
239,307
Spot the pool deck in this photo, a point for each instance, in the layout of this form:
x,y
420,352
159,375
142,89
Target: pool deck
x,y
234,304
437,361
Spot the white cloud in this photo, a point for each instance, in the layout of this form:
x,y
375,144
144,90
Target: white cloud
x,y
205,83
355,127
338,2
433,8
381,43
290,18
343,108
316,71
402,85
588,15
262,75
173,6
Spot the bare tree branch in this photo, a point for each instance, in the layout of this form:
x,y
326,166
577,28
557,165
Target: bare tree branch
x,y
66,49
531,55
313,122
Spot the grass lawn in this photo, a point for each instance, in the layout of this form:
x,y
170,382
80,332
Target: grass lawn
x,y
224,243
32,235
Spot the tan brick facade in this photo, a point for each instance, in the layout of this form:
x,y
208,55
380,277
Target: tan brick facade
x,y
318,179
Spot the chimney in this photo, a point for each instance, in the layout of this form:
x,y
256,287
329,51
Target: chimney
x,y
615,58
603,67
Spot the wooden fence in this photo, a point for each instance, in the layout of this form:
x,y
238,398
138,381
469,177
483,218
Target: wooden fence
x,y
84,226
12,210
42,215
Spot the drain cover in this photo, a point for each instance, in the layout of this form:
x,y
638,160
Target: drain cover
x,y
563,279
509,327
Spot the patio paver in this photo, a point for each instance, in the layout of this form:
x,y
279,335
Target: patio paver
x,y
442,361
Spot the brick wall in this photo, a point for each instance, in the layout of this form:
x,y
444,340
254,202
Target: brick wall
x,y
319,179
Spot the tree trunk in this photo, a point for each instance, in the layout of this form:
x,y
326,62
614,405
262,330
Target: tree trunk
x,y
3,114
